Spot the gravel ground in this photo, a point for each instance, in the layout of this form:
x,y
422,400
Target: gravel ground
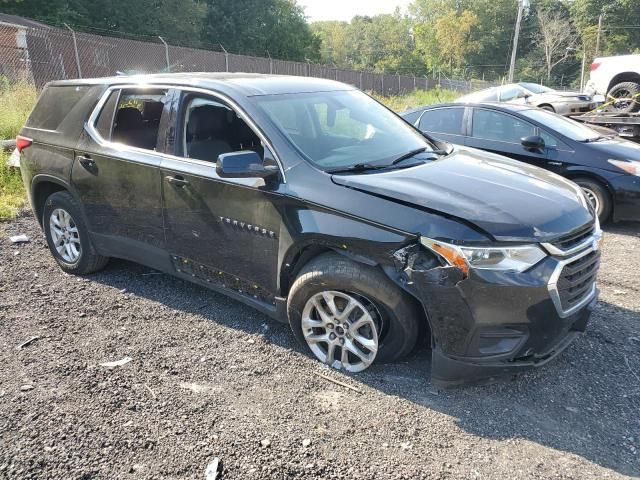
x,y
209,377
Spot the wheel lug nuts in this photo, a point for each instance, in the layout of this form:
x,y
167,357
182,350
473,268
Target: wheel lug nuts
x,y
342,341
330,326
332,336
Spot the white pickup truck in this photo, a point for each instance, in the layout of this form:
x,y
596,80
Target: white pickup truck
x,y
617,78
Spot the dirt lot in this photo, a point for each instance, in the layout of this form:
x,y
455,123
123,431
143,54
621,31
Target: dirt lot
x,y
211,378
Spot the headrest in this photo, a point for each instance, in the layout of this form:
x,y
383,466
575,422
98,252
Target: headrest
x,y
152,110
128,117
207,120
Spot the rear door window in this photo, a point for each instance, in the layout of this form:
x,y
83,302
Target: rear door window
x,y
136,121
492,125
443,120
54,105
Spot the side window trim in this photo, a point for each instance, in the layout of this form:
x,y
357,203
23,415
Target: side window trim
x,y
177,88
90,124
111,114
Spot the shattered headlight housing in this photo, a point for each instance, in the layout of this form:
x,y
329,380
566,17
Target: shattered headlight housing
x,y
504,259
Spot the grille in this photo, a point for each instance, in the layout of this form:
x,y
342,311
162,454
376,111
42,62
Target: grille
x,y
569,241
577,279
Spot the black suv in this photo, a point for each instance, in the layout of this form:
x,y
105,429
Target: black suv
x,y
310,201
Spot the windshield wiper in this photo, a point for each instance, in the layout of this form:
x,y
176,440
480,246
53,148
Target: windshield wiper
x,y
358,167
415,152
598,138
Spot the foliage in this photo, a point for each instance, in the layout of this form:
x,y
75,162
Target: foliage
x,y
259,26
16,102
12,197
555,38
241,26
616,38
417,98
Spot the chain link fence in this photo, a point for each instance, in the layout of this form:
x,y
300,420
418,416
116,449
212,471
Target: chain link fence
x,y
42,54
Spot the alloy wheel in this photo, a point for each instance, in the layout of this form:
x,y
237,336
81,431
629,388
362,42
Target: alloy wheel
x,y
622,98
65,236
341,329
593,199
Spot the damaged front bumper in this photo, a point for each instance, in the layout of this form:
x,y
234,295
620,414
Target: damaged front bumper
x,y
490,323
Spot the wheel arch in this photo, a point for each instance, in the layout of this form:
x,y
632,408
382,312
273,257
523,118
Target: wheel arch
x,y
623,77
578,174
43,186
543,105
304,254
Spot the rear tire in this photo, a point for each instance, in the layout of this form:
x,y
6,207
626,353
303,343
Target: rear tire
x,y
598,196
629,90
394,313
68,237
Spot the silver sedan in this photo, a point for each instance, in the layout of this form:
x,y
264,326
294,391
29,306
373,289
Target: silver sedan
x,y
563,103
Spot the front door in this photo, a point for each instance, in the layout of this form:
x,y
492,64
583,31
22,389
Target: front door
x,y
116,172
501,133
221,231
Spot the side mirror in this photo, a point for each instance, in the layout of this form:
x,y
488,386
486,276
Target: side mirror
x,y
532,143
243,164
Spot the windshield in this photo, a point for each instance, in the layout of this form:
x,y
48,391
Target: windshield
x,y
535,88
564,126
341,129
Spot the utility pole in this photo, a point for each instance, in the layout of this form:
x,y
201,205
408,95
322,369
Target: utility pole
x,y
598,36
516,35
584,59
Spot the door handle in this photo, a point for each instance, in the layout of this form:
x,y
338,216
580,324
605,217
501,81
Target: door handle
x,y
176,181
86,161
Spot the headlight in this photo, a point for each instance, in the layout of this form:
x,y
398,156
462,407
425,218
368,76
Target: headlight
x,y
504,259
629,166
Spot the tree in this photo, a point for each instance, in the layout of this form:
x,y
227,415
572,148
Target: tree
x,y
334,42
178,21
260,26
555,37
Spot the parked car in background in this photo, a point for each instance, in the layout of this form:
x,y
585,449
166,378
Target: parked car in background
x,y
606,166
618,79
310,201
563,103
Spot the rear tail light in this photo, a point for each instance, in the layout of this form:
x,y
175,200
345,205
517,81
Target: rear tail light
x,y
23,142
594,66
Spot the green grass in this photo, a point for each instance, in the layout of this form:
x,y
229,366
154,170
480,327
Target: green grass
x,y
16,102
417,98
12,196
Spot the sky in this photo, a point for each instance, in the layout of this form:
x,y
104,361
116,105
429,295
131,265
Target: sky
x,y
347,9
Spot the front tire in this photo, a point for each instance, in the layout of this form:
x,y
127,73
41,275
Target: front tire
x,y
68,237
350,314
630,91
597,194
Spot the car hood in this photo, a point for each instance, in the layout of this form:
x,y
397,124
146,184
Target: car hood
x,y
508,200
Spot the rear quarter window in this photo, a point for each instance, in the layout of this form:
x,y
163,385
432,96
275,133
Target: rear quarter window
x,y
54,104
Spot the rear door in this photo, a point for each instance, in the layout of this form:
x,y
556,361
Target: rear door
x,y
501,133
117,176
444,123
